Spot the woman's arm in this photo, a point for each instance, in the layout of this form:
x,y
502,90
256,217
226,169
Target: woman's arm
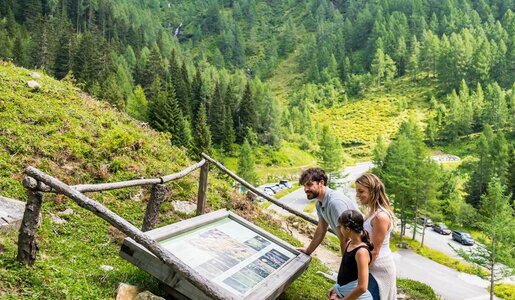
x,y
380,225
362,259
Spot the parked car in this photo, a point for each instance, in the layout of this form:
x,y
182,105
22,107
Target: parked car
x,y
422,221
462,237
441,228
286,183
269,190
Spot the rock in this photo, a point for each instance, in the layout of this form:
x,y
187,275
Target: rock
x,y
33,85
66,212
35,75
146,295
58,220
106,268
127,292
184,207
11,214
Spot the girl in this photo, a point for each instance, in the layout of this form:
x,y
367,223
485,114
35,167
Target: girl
x,y
379,223
352,280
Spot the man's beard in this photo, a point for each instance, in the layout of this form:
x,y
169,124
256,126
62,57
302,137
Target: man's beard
x,y
312,195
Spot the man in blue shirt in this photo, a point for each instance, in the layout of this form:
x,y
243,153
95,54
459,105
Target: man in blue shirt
x,y
330,205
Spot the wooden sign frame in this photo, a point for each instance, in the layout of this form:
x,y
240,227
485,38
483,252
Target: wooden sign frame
x,y
269,287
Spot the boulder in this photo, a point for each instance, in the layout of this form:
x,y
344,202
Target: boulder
x,y
11,213
33,85
184,207
35,75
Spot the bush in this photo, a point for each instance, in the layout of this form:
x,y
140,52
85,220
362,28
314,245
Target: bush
x,y
504,290
416,290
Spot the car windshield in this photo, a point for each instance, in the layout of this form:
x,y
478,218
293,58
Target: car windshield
x,y
443,226
466,235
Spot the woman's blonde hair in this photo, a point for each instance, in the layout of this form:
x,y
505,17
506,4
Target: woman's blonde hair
x,y
378,200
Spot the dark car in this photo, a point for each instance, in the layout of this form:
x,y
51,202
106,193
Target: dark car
x,y
286,183
441,228
427,222
462,237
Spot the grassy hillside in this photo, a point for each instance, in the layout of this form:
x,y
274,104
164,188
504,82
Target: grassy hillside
x,y
358,122
65,133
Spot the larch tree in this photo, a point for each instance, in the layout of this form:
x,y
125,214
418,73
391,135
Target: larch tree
x,y
246,164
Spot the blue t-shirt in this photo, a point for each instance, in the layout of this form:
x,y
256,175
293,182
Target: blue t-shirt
x,y
334,203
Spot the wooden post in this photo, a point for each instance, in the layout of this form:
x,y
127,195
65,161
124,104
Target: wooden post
x,y
157,197
202,189
27,243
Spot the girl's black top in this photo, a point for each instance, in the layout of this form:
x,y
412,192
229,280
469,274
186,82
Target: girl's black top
x,y
349,267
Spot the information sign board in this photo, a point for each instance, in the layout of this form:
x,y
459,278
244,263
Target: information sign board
x,y
230,252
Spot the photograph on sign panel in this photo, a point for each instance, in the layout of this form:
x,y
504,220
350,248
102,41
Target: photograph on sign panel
x,y
212,268
236,285
257,243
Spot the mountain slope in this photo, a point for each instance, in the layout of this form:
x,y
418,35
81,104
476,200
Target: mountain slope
x,y
77,139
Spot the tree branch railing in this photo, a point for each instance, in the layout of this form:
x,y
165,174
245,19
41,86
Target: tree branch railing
x,y
36,182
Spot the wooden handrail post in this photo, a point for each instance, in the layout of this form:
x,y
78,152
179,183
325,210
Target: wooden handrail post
x,y
157,196
27,243
202,189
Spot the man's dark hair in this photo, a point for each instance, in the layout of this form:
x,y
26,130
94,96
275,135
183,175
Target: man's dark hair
x,y
313,174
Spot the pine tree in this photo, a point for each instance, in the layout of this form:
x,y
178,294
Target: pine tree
x,y
331,154
246,165
246,116
379,152
137,106
497,223
160,112
181,84
229,135
414,58
202,135
217,116
378,66
63,52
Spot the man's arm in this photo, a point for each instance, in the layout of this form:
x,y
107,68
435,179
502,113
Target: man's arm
x,y
317,237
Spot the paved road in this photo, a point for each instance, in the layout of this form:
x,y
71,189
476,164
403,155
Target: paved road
x,y
446,282
298,199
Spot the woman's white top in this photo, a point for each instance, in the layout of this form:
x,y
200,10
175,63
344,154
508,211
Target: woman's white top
x,y
385,247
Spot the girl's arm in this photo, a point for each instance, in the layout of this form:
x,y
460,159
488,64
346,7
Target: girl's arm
x,y
380,225
362,259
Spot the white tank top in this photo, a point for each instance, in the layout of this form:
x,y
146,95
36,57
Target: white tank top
x,y
385,247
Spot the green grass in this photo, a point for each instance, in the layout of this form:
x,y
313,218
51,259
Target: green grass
x,y
77,139
358,122
417,290
310,207
439,257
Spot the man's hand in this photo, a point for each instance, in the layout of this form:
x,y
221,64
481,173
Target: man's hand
x,y
330,292
303,250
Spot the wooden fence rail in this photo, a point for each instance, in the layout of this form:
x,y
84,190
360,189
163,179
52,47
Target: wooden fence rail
x,y
130,230
37,182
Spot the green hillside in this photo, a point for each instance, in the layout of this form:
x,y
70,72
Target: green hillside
x,y
67,134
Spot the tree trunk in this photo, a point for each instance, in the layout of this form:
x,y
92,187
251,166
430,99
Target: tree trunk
x,y
27,243
158,195
492,270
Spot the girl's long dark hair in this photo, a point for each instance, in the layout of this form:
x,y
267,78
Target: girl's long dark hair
x,y
353,219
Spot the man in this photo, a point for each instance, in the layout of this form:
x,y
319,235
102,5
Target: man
x,y
330,205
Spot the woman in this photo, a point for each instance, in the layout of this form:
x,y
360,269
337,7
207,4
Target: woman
x,y
379,223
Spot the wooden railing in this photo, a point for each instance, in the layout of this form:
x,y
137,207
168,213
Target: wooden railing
x,y
37,182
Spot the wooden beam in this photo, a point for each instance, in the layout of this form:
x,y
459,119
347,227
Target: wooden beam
x,y
262,194
130,230
32,184
157,196
202,189
27,243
